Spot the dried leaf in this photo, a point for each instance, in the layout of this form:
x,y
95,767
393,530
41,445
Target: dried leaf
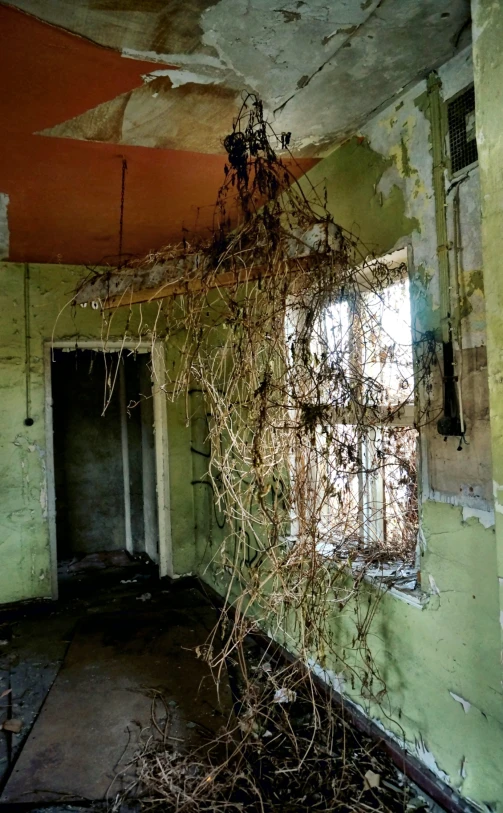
x,y
14,726
284,695
371,780
5,693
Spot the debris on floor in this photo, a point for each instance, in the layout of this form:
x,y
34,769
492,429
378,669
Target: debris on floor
x,y
119,662
286,750
99,561
108,702
14,726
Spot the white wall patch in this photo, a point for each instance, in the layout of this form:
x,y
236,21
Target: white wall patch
x,y
429,760
336,681
486,518
180,77
466,705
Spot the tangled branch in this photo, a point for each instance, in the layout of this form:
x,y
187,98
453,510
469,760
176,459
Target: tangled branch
x,y
300,346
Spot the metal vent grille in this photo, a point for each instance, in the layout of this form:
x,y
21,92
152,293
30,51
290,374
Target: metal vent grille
x,y
461,121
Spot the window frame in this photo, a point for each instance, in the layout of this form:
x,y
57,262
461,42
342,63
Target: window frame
x,y
371,492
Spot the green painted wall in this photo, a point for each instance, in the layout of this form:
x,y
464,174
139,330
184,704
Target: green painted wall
x,y
451,645
24,532
350,178
488,62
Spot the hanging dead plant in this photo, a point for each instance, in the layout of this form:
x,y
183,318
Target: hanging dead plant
x,y
297,343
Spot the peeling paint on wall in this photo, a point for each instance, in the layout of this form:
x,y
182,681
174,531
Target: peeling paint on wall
x,y
464,703
417,748
455,639
336,680
497,489
433,585
428,759
379,221
486,518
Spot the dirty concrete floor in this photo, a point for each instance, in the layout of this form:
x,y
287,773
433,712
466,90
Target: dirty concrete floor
x,y
82,674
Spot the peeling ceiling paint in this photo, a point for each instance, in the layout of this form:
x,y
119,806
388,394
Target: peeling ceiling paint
x,y
90,83
160,114
179,77
64,192
320,67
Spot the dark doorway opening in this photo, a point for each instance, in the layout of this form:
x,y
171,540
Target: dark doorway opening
x,y
104,458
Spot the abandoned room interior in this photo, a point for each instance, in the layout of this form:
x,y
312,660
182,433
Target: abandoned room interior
x,y
251,371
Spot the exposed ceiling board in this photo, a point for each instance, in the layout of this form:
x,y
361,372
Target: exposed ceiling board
x,y
158,115
321,66
60,198
399,44
159,26
276,47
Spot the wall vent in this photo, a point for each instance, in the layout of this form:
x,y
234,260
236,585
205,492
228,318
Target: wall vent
x,y
461,123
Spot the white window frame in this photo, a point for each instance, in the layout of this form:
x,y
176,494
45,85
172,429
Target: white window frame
x,y
371,492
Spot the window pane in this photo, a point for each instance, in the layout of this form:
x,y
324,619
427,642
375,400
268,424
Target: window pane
x,y
366,475
387,342
368,490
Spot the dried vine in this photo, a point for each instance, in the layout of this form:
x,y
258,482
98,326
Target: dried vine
x,y
305,371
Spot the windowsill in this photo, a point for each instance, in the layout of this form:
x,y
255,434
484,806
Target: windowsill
x,y
415,598
393,579
403,587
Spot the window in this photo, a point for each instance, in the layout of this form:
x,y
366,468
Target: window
x,y
461,123
367,484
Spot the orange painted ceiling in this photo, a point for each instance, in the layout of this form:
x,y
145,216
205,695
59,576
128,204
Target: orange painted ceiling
x,y
86,84
64,193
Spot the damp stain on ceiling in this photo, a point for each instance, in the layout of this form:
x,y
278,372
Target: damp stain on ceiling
x,y
321,67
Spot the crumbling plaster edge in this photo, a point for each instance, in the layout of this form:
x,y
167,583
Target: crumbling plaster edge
x,y
483,512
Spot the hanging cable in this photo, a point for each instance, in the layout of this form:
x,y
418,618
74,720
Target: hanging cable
x,y
121,220
28,421
457,247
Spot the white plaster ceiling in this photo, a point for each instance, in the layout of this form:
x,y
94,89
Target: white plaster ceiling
x,y
322,67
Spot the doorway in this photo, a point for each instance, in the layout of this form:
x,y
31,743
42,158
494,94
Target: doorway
x,y
108,445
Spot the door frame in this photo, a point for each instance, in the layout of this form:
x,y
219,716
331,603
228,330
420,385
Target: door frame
x,y
156,351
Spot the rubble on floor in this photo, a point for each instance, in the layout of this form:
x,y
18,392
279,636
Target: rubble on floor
x,y
118,713
288,750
